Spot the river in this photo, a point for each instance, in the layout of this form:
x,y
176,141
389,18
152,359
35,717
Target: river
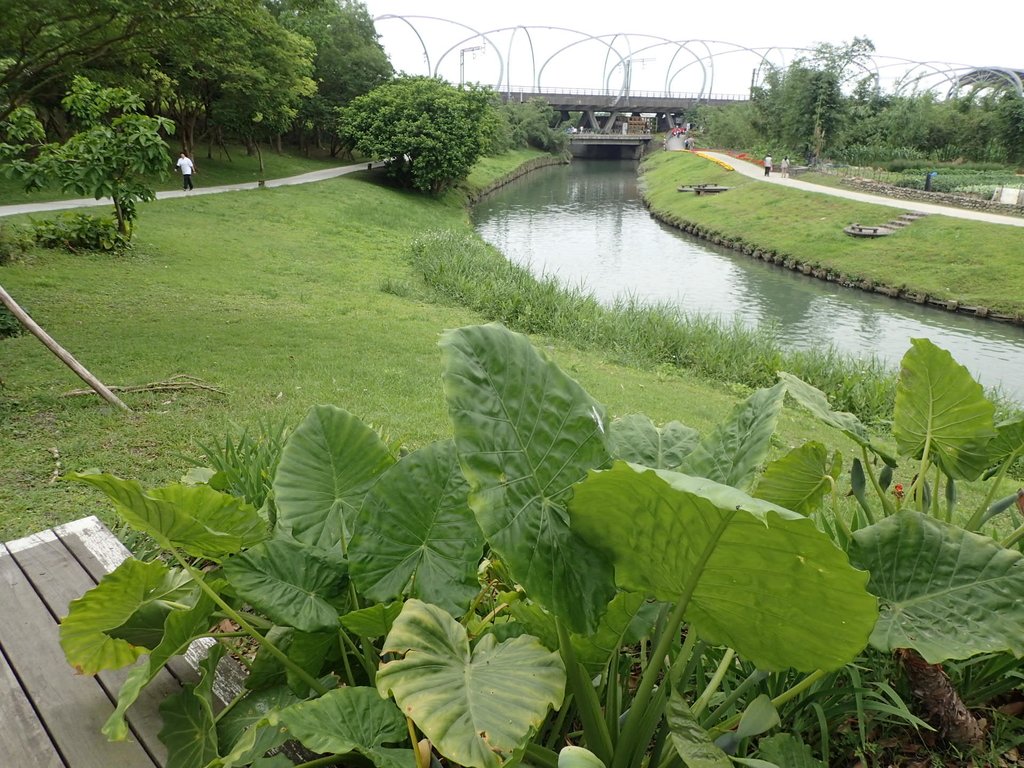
x,y
585,224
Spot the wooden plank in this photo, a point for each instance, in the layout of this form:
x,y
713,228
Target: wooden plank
x,y
59,578
71,707
21,734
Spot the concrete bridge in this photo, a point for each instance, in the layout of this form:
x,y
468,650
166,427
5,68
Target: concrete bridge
x,y
601,109
602,146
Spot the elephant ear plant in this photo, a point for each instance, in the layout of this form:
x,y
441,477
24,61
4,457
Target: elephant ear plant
x,y
546,587
946,591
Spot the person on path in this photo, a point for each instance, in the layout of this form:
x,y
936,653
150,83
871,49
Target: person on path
x,y
767,165
187,168
784,168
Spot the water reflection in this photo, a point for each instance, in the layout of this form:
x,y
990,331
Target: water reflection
x,y
585,224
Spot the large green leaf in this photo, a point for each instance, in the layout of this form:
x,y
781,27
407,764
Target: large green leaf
x,y
692,742
307,650
180,629
415,535
814,400
189,728
293,584
787,750
373,621
1008,442
636,439
135,588
945,592
799,480
764,580
245,731
630,618
732,453
349,720
525,432
197,519
327,466
476,706
942,409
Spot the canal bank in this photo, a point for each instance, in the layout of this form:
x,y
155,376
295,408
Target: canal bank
x,y
954,260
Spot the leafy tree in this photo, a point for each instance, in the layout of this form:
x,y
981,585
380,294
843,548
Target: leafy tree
x,y
115,152
535,124
430,132
238,72
1011,112
45,42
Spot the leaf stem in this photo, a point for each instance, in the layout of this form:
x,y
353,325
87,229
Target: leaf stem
x,y
599,739
236,617
782,698
709,690
887,506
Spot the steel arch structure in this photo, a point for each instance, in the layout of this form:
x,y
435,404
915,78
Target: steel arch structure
x,y
619,61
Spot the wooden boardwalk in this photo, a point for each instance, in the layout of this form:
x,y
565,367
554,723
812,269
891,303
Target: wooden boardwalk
x,y
49,716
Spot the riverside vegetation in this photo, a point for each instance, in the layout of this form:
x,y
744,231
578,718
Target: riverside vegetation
x,y
549,586
309,338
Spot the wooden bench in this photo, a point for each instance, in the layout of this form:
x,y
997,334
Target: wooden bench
x,y
52,717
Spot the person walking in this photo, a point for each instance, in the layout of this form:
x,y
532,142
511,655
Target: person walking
x,y
767,165
784,168
187,168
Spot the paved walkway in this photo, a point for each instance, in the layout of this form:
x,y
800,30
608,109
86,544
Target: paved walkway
x,y
757,172
88,202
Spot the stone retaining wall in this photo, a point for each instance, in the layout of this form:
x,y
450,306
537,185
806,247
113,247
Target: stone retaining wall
x,y
522,170
939,198
812,269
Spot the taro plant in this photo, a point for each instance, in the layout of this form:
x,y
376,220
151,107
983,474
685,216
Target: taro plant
x,y
946,591
548,586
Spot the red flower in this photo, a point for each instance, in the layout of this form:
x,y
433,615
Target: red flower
x,y
897,490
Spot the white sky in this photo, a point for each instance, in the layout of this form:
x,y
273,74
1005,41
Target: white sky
x,y
986,34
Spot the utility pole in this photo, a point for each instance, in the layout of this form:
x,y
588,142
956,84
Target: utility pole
x,y
462,61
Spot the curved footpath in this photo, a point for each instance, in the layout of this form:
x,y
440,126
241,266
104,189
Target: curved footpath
x,y
757,172
742,166
88,202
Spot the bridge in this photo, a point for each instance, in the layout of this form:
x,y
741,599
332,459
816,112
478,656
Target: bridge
x,y
609,146
601,109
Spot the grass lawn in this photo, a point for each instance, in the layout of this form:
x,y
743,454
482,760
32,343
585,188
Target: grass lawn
x,y
281,299
975,263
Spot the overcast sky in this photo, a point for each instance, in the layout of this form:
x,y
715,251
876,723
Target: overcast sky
x,y
985,34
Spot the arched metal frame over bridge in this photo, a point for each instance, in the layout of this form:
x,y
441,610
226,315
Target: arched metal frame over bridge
x,y
624,66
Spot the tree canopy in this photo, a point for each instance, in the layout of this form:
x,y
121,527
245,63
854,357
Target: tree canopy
x,y
431,132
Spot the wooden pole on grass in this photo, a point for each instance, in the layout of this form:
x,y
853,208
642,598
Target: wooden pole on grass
x,y
59,351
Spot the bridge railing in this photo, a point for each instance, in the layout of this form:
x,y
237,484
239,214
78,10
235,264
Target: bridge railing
x,y
611,93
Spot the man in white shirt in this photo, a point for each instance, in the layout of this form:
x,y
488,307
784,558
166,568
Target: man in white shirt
x,y
187,168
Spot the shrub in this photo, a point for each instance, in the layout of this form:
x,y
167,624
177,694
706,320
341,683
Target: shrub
x,y
80,231
14,242
9,324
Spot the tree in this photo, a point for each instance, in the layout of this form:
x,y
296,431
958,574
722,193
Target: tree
x,y
45,42
115,152
348,61
430,132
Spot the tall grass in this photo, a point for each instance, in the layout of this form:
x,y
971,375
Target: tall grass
x,y
463,270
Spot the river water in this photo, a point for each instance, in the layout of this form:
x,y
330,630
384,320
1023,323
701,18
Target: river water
x,y
585,224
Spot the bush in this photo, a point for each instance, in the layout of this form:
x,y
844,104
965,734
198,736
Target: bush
x,y
14,242
80,231
9,324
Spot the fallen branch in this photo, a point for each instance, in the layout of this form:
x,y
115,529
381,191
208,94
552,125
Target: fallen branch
x,y
64,356
176,383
